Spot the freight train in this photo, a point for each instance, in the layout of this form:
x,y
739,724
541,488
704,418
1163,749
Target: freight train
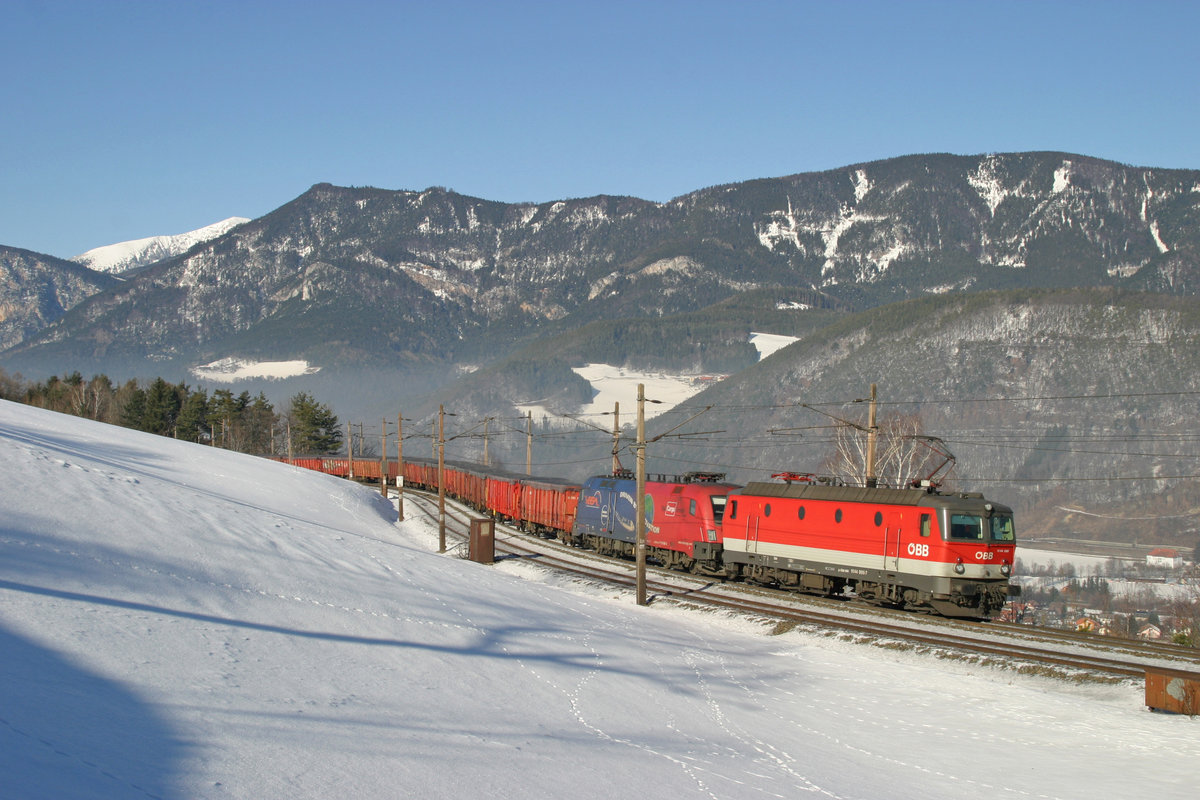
x,y
916,548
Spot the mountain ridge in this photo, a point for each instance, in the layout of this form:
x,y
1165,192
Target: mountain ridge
x,y
468,274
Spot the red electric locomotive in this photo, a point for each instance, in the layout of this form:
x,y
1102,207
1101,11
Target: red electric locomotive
x,y
914,548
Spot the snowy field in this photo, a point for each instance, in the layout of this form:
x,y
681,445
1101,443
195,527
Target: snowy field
x,y
612,385
769,343
232,370
183,622
1087,566
1084,565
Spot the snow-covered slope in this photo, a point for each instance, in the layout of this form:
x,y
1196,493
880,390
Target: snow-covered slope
x,y
181,622
613,384
129,255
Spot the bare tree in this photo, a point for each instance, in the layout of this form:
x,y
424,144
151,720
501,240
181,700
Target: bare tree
x,y
903,453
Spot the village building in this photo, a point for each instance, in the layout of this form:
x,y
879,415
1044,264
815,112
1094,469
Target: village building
x,y
1150,632
1164,557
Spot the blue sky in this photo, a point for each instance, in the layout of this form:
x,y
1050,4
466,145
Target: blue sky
x,y
125,119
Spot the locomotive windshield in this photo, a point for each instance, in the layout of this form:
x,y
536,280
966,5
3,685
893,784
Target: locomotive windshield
x,y
974,528
1002,528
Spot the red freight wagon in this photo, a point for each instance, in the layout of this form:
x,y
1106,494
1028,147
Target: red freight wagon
x,y
420,473
336,466
548,506
366,469
504,497
455,481
467,485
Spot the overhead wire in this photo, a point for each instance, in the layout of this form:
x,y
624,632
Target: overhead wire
x,y
1052,439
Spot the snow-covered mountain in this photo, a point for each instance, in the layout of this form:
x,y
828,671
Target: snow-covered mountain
x,y
180,621
364,275
124,256
37,289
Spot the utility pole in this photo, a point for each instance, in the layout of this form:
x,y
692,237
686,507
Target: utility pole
x,y
486,424
529,445
616,465
350,449
383,457
640,495
400,467
441,453
872,431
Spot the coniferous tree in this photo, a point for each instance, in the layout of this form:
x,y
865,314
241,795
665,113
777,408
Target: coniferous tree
x,y
225,414
162,408
314,427
258,417
132,403
192,424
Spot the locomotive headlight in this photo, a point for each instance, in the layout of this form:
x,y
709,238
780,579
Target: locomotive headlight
x,y
959,567
1006,569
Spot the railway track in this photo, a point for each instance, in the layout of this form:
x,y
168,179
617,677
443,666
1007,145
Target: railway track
x,y
1040,651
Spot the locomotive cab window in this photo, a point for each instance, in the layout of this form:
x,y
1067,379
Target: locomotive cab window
x,y
966,527
718,507
1002,528
692,507
926,524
